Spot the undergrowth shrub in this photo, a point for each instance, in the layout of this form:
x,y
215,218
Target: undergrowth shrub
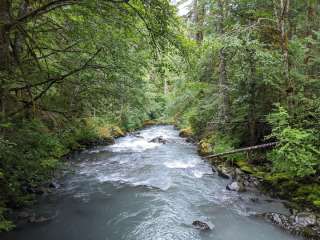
x,y
296,153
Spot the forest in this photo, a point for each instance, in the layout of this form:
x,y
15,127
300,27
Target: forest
x,y
230,74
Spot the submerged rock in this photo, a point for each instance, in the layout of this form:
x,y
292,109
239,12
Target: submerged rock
x,y
40,219
25,215
254,199
201,225
159,140
236,186
136,134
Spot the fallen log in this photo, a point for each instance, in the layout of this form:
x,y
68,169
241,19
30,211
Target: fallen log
x,y
247,149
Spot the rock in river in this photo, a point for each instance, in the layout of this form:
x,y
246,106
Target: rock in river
x,y
236,186
159,140
201,225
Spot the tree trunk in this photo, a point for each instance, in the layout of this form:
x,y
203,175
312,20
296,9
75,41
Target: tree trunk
x,y
19,37
247,149
198,13
201,16
223,78
223,88
165,86
5,19
194,19
252,119
282,14
2,104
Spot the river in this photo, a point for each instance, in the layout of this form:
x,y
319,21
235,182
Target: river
x,y
139,190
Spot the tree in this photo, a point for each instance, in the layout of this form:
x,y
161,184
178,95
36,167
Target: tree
x,y
281,11
224,111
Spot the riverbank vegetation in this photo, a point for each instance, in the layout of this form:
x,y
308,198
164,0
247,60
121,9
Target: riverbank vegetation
x,y
231,73
254,78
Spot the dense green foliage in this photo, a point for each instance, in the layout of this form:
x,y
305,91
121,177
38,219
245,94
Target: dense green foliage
x,y
253,77
71,74
248,57
296,153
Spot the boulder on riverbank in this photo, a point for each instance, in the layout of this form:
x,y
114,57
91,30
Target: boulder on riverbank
x,y
117,132
224,172
305,219
240,180
304,224
186,133
204,147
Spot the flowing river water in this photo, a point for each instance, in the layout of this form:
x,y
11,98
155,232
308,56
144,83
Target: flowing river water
x,y
140,190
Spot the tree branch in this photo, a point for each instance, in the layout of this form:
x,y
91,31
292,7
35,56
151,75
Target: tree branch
x,y
52,81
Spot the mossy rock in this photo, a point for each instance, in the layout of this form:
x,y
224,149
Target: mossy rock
x,y
117,132
310,189
277,177
260,174
204,148
150,123
110,132
186,133
166,121
104,132
316,203
310,193
245,166
286,189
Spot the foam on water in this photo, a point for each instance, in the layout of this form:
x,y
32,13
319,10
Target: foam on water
x,y
141,190
198,174
180,164
135,145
